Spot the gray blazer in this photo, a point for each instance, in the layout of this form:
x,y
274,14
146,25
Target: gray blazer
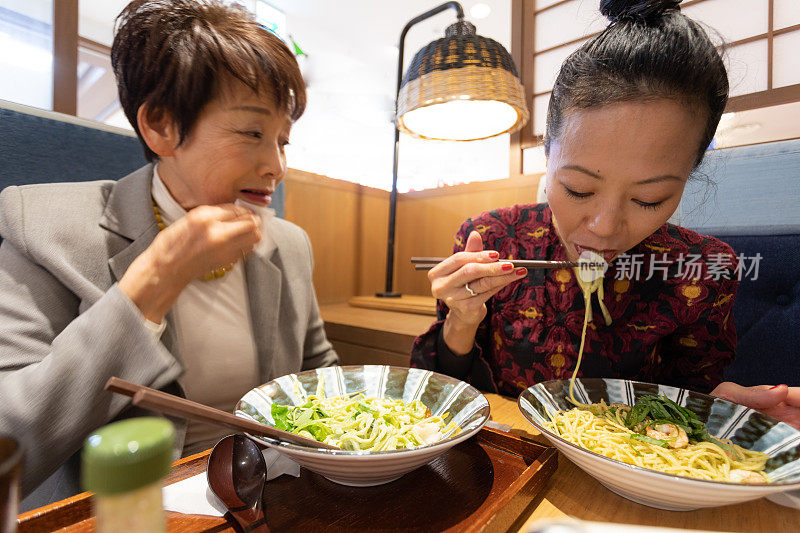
x,y
65,327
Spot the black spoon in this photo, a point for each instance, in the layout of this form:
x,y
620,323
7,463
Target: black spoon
x,y
237,473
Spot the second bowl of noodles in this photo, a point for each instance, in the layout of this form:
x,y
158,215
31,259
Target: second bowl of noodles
x,y
631,436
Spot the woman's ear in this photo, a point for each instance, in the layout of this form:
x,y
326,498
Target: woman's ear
x,y
158,130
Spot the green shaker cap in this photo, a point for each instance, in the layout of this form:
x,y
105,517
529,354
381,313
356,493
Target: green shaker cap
x,y
127,455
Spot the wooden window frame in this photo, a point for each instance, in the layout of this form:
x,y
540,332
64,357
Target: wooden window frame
x,y
65,56
94,46
66,44
524,53
523,27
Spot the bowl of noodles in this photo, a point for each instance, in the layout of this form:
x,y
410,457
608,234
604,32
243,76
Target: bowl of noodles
x,y
663,446
386,421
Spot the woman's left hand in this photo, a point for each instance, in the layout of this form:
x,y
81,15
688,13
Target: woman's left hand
x,y
778,401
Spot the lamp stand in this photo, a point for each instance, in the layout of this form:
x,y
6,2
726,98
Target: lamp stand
x,y
389,289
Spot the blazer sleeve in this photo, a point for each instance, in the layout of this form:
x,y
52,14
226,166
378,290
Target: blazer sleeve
x,y
317,350
55,360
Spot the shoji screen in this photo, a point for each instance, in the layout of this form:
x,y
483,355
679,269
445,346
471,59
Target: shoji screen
x,y
761,39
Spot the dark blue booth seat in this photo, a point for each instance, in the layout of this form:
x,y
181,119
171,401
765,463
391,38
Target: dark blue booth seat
x,y
755,207
37,149
767,312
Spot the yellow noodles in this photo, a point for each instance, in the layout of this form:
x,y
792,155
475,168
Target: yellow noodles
x,y
605,433
611,439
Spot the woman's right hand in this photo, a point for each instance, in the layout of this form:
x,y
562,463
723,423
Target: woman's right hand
x,y
206,238
476,270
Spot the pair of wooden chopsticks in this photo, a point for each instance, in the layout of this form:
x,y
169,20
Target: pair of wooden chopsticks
x,y
427,263
170,404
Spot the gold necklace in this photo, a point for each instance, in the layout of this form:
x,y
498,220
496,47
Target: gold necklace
x,y
214,274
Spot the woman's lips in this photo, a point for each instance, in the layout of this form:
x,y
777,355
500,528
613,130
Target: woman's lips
x,y
608,255
257,197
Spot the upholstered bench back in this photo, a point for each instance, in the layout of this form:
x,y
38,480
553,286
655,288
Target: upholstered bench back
x,y
42,147
755,207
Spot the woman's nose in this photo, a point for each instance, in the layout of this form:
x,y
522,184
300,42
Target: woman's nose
x,y
606,223
272,163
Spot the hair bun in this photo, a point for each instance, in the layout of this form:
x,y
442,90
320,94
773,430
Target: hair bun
x,y
643,11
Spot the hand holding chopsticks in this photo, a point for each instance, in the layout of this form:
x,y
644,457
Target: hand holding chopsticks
x,y
170,404
466,280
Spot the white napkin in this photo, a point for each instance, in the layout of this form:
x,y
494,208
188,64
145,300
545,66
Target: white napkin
x,y
264,213
194,496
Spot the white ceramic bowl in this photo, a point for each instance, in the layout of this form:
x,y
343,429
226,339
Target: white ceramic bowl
x,y
746,427
442,394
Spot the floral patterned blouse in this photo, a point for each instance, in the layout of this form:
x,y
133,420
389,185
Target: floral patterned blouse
x,y
670,301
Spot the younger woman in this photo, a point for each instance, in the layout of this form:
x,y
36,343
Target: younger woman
x,y
630,116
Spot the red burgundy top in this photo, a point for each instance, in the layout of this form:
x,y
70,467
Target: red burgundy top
x,y
675,328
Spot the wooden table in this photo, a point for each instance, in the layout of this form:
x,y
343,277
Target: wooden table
x,y
571,492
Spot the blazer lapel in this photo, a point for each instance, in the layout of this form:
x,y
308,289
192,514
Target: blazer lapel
x,y
129,213
129,209
264,281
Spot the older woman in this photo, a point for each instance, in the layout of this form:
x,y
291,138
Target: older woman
x,y
631,114
153,278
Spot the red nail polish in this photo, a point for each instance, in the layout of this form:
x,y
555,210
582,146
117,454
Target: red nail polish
x,y
506,267
776,386
494,255
521,271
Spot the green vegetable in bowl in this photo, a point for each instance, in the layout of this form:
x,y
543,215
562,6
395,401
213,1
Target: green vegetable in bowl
x,y
661,410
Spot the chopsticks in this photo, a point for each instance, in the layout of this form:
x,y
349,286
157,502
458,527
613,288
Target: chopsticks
x,y
427,263
170,404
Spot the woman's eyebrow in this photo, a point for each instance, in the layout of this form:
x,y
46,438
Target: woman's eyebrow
x,y
252,108
579,168
654,179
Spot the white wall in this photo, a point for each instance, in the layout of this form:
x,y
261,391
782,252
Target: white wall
x,y
347,130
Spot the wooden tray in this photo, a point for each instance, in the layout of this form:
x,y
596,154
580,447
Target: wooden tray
x,y
482,484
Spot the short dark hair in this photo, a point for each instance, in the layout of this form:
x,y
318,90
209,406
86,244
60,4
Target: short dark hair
x,y
648,51
173,55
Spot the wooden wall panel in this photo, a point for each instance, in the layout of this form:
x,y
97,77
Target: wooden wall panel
x,y
428,220
347,225
357,354
373,236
